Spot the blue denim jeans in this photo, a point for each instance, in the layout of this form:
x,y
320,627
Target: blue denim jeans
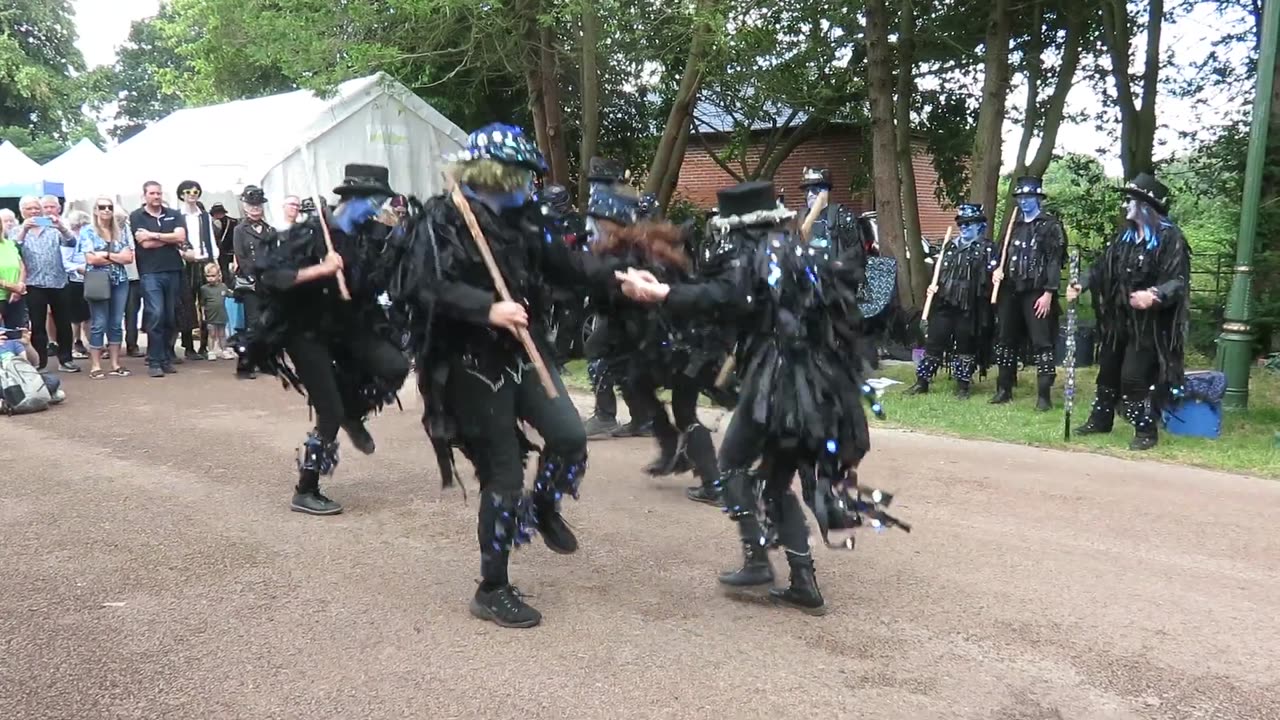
x,y
159,305
106,318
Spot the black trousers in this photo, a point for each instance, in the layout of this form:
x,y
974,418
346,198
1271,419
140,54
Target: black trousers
x,y
1128,365
132,308
487,418
1017,316
40,301
313,361
195,279
744,441
947,325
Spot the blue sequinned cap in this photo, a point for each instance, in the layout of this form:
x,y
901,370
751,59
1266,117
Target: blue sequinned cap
x,y
970,213
506,144
609,203
1029,185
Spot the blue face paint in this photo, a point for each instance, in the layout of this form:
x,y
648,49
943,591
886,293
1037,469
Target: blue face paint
x,y
971,231
354,212
1029,205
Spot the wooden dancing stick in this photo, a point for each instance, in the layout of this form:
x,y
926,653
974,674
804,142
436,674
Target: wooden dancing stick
x,y
544,375
1004,255
937,270
321,205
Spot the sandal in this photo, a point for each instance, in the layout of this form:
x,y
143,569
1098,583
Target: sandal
x,y
97,374
120,372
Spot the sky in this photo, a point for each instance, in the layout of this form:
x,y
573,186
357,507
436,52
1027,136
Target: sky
x,y
104,24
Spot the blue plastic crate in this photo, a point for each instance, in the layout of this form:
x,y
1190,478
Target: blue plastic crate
x,y
1195,418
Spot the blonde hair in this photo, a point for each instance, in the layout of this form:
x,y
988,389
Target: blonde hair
x,y
108,231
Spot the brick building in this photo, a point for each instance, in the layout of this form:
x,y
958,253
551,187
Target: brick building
x,y
840,148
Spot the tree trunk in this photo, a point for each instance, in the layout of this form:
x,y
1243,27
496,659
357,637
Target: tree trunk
x,y
557,151
884,145
995,90
675,137
590,93
672,179
1137,123
920,277
537,108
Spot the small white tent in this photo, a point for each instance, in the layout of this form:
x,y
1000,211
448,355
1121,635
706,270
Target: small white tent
x,y
20,175
275,141
79,161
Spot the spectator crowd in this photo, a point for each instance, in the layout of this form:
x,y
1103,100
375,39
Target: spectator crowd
x,y
88,286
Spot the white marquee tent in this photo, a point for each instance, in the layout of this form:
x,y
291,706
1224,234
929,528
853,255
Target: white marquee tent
x,y
275,141
80,160
20,175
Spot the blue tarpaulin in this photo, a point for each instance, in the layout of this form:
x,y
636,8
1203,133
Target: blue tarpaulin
x,y
38,187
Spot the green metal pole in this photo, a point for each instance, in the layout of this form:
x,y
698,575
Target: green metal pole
x,y
1235,344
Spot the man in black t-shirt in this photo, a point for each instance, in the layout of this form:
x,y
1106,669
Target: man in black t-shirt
x,y
158,232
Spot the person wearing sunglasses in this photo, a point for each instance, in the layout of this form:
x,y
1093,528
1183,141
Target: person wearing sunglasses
x,y
106,250
198,252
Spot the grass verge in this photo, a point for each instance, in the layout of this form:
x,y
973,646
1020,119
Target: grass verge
x,y
1247,445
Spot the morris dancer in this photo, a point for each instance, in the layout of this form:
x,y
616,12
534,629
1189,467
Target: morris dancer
x,y
1028,286
664,351
961,315
477,379
1139,288
801,400
338,352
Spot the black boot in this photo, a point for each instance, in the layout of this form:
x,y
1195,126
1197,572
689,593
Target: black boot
x,y
359,436
315,459
925,370
962,368
1004,385
557,477
1044,386
755,569
1145,433
700,449
1102,416
668,449
803,593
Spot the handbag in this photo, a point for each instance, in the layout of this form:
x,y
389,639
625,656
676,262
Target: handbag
x,y
97,285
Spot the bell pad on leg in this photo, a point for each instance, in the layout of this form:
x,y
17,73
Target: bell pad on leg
x,y
318,456
1045,364
928,367
559,476
963,367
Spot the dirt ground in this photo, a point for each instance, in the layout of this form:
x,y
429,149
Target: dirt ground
x,y
151,569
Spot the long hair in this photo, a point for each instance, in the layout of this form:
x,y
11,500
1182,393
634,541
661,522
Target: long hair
x,y
1148,224
660,243
109,230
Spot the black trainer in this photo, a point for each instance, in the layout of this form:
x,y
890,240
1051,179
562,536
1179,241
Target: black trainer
x,y
704,494
504,607
313,503
360,437
556,533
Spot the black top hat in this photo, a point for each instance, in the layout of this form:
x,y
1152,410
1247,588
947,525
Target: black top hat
x,y
816,177
970,213
217,208
1029,185
556,198
307,205
1148,189
604,170
253,195
364,180
746,198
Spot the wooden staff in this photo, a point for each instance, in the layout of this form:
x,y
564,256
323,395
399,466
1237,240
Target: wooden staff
x,y
500,284
321,205
937,270
1004,256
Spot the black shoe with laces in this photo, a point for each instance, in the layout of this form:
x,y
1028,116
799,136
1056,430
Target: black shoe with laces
x,y
313,503
704,494
555,532
504,607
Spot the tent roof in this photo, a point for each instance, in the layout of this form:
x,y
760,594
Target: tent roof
x,y
252,136
15,165
73,160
